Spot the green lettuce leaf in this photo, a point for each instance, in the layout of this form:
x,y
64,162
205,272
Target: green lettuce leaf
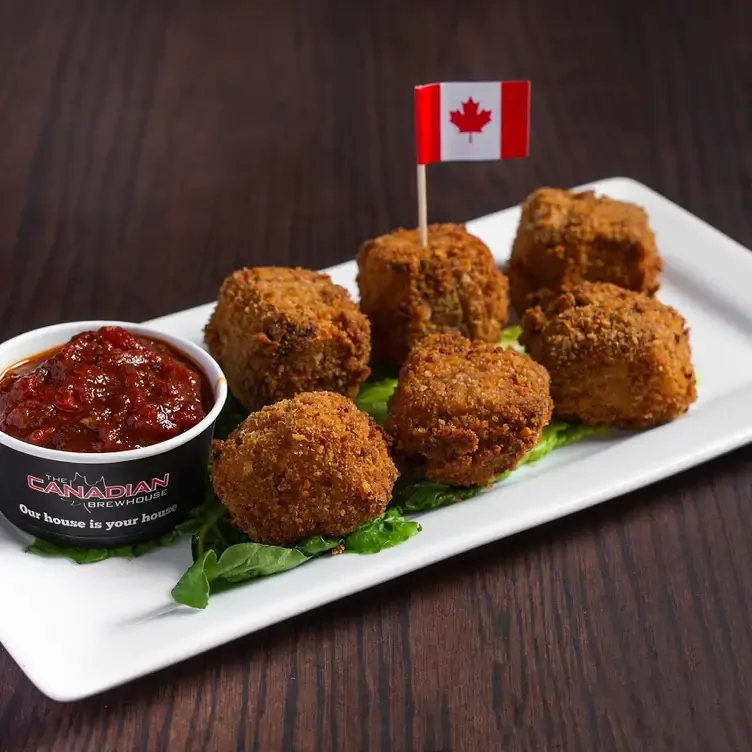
x,y
386,531
422,495
318,545
238,563
373,398
510,337
558,434
224,556
192,589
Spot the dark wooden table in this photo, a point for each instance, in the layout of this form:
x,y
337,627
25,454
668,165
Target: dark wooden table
x,y
147,148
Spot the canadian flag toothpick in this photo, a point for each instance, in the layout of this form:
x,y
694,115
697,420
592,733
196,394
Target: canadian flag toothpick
x,y
467,122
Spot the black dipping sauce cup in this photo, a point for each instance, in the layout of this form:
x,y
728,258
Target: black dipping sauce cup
x,y
110,499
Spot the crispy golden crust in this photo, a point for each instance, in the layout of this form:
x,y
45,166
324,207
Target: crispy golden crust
x,y
408,291
464,411
277,332
565,238
311,465
616,357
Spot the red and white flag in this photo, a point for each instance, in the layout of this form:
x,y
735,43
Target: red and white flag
x,y
463,122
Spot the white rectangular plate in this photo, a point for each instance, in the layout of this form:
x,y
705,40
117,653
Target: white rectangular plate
x,y
77,630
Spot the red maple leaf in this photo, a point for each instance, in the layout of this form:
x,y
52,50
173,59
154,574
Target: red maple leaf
x,y
470,119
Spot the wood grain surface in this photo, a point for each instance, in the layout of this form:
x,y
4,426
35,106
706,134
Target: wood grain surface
x,y
149,147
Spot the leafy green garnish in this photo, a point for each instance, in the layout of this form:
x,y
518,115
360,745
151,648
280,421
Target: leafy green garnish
x,y
510,337
238,563
422,495
557,434
390,529
192,589
373,398
217,564
318,545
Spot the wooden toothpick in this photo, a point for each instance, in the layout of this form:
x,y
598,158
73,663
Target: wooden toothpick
x,y
422,206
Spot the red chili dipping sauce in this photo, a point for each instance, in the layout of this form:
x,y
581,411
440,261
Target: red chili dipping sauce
x,y
103,391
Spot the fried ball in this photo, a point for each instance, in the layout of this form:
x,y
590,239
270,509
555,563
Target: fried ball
x,y
616,357
278,332
565,238
408,291
464,412
310,465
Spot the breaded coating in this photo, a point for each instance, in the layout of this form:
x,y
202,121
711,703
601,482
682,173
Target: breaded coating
x,y
408,291
278,332
616,357
464,412
310,465
565,238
